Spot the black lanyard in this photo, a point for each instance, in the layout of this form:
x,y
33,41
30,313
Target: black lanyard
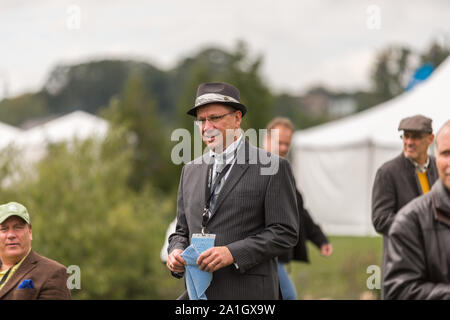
x,y
210,191
6,275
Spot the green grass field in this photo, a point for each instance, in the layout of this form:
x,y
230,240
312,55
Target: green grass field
x,y
343,275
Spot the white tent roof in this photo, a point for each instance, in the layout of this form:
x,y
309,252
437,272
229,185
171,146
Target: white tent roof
x,y
76,125
32,143
7,134
378,125
335,164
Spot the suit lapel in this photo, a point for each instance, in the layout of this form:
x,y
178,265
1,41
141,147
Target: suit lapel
x,y
27,265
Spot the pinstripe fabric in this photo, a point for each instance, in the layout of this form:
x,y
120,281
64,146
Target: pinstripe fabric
x,y
255,216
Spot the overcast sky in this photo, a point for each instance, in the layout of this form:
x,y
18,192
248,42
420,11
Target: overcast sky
x,y
303,42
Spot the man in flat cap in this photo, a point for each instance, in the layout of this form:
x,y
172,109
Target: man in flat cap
x,y
252,213
418,259
405,177
25,275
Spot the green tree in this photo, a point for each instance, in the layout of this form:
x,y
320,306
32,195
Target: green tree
x,y
200,71
27,106
136,111
245,74
436,53
236,68
393,68
389,76
83,213
89,86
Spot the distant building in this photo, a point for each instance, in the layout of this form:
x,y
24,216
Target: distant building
x,y
320,102
341,106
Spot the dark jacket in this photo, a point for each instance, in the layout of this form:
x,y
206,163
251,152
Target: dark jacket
x,y
395,185
49,279
255,217
308,230
418,259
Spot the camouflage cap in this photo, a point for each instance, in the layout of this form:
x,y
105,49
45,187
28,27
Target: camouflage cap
x,y
13,209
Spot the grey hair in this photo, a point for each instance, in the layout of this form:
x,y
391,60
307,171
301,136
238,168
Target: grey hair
x,y
444,126
280,121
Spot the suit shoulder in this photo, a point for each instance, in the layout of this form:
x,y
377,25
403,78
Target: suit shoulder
x,y
270,163
48,263
252,149
392,165
264,154
205,158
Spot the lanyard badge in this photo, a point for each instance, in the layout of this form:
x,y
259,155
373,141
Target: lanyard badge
x,y
205,218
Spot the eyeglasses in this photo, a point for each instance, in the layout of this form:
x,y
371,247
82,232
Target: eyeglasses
x,y
212,119
413,135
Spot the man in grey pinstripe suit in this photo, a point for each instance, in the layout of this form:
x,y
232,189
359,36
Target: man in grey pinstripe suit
x,y
254,213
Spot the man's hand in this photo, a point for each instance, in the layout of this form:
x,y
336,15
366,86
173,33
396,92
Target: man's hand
x,y
326,250
175,261
214,259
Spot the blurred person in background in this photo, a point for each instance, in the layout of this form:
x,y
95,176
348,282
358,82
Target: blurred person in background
x,y
25,275
400,180
308,230
418,255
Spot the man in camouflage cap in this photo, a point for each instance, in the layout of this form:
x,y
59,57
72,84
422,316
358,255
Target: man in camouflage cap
x,y
25,275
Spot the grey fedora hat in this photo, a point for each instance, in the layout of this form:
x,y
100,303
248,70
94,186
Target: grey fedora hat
x,y
217,92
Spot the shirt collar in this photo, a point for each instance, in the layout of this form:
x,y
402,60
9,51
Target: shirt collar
x,y
20,262
228,155
420,168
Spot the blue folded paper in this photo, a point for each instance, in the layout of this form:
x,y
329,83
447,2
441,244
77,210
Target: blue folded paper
x,y
197,281
26,284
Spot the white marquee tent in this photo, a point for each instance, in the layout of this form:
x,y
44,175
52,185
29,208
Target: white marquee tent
x,y
78,125
32,143
7,134
335,163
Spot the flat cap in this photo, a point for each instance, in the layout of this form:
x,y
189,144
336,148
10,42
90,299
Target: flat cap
x,y
416,123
